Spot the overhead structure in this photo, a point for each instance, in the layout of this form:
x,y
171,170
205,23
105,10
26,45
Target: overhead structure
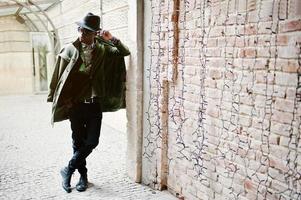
x,y
33,14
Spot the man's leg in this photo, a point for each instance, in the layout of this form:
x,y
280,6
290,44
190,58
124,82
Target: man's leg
x,y
82,169
78,134
93,126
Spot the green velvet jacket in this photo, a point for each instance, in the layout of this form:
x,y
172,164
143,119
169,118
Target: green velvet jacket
x,y
108,73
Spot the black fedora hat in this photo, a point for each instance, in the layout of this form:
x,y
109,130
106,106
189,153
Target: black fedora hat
x,y
90,22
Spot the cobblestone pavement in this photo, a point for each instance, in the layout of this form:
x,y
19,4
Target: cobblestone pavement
x,y
32,153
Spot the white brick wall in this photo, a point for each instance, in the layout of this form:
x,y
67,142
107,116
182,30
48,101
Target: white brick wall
x,y
233,115
65,14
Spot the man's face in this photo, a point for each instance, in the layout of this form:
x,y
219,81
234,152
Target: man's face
x,y
86,36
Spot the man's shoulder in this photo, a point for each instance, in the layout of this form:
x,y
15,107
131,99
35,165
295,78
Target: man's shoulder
x,y
67,51
69,47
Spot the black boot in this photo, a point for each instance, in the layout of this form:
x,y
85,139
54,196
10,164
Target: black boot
x,y
66,173
82,184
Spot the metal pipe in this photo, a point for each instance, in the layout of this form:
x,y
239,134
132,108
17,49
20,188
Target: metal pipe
x,y
51,36
32,23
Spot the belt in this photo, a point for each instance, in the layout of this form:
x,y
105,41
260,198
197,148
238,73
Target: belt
x,y
91,100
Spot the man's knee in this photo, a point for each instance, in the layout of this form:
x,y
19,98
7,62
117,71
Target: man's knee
x,y
93,145
77,145
92,142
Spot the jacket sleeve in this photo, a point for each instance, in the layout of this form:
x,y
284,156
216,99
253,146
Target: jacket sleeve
x,y
119,50
60,66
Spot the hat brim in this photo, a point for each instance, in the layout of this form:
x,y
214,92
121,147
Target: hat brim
x,y
81,24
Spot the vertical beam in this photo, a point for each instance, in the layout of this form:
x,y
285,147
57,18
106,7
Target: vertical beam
x,y
175,51
134,96
101,14
164,141
298,8
165,98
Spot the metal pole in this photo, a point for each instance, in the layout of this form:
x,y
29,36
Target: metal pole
x,y
56,47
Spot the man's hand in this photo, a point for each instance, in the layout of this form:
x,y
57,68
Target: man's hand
x,y
106,35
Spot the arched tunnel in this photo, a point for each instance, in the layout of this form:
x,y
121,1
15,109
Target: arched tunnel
x,y
29,43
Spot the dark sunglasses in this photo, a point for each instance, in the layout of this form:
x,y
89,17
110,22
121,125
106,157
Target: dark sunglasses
x,y
85,31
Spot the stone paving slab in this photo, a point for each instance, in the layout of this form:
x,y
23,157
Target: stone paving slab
x,y
32,153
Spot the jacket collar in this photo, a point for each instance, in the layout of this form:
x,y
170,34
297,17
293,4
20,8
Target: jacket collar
x,y
98,54
77,44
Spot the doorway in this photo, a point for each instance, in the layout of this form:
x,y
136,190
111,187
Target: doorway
x,y
40,50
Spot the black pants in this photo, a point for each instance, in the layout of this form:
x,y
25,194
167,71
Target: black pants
x,y
85,124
